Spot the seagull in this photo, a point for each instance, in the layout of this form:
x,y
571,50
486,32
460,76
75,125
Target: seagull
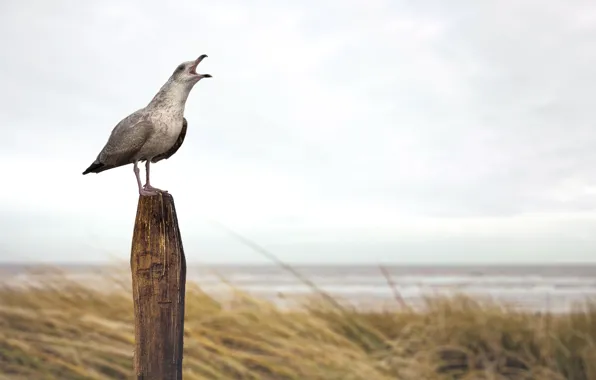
x,y
152,133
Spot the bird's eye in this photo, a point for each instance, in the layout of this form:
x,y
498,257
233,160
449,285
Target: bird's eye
x,y
180,67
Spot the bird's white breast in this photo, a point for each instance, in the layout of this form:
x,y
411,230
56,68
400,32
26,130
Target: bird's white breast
x,y
167,127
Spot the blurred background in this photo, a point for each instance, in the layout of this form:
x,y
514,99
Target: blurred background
x,y
443,147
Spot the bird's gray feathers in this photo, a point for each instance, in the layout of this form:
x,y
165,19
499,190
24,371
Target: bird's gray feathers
x,y
125,141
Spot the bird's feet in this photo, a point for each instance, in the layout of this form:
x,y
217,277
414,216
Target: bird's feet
x,y
148,187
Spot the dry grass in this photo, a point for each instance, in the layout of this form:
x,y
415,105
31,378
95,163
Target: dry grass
x,y
67,331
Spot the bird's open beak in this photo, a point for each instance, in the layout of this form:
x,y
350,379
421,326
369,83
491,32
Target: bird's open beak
x,y
193,68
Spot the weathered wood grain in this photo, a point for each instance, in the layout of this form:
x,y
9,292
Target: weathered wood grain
x,y
158,270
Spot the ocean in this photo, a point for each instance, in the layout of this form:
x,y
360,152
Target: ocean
x,y
553,288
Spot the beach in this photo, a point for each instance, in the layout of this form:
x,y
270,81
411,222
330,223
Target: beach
x,y
554,288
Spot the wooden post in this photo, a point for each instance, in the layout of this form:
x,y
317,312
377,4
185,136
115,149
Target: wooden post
x,y
158,269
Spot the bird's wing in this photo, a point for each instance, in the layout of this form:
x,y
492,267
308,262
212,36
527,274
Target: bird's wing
x,y
176,146
126,139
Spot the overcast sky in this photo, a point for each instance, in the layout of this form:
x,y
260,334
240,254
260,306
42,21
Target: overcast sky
x,y
336,131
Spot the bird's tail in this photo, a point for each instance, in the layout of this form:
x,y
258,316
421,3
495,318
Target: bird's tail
x,y
95,167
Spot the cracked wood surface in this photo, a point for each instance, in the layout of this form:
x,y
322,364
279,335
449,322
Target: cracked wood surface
x,y
158,269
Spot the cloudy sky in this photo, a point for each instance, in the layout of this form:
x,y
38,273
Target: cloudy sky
x,y
334,131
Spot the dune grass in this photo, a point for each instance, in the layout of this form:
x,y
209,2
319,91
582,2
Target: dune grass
x,y
63,330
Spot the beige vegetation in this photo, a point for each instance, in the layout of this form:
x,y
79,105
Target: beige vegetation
x,y
67,331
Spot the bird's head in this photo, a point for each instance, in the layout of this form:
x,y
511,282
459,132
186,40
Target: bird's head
x,y
186,72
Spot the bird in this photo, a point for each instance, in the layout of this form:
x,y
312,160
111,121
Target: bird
x,y
154,132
